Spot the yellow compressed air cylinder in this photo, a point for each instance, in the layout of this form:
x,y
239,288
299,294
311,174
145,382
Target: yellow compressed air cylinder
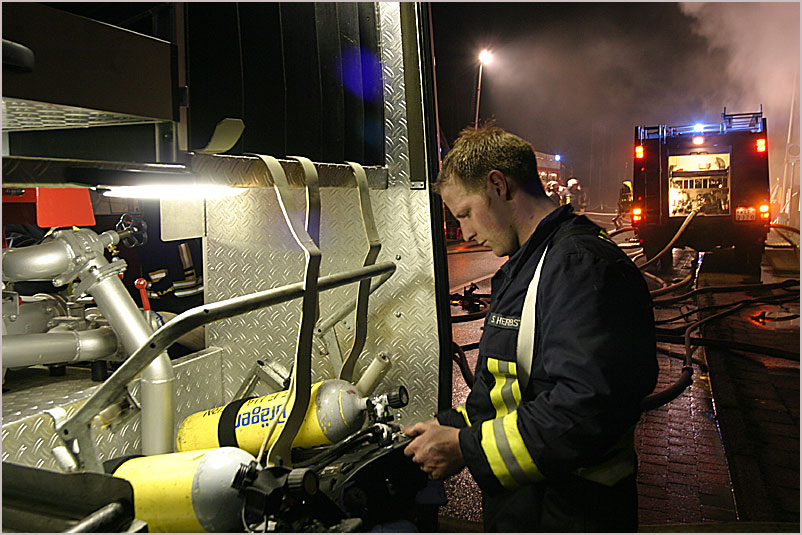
x,y
187,492
336,409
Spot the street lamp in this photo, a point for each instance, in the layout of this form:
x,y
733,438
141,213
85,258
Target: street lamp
x,y
485,57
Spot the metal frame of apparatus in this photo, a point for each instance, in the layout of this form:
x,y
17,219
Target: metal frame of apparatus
x,y
111,401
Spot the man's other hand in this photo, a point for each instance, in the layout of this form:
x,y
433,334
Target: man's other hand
x,y
435,448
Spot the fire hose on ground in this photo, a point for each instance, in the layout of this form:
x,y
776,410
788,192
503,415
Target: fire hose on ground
x,y
657,399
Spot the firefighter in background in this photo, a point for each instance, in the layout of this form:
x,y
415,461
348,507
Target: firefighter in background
x,y
624,203
553,191
574,195
547,429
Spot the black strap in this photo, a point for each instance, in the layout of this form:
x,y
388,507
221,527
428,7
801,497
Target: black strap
x,y
226,434
112,465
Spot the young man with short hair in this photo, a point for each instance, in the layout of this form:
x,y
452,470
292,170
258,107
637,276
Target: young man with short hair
x,y
566,356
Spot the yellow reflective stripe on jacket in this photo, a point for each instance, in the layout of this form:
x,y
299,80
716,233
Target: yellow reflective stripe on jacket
x,y
506,452
463,411
505,394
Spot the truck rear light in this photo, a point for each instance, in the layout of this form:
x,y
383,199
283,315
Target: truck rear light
x,y
764,211
760,144
698,140
639,152
637,215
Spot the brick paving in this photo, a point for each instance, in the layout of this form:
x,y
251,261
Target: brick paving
x,y
682,468
757,399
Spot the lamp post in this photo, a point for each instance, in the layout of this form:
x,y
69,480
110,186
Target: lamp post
x,y
485,57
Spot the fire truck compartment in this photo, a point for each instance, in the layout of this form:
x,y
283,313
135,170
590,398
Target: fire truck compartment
x,y
699,182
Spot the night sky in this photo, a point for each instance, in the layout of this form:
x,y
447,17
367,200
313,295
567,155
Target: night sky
x,y
576,78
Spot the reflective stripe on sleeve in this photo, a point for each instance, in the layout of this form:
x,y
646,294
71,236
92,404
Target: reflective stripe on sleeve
x,y
190,281
158,274
186,257
463,411
506,452
191,291
505,394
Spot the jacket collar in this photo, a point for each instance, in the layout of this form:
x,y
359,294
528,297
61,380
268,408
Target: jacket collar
x,y
542,234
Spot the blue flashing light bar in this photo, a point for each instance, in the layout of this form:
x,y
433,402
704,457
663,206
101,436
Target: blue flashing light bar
x,y
734,122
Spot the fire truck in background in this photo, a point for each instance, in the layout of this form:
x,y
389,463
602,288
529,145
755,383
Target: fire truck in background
x,y
718,172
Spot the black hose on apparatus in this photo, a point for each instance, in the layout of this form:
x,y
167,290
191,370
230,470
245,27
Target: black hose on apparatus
x,y
462,361
673,240
470,347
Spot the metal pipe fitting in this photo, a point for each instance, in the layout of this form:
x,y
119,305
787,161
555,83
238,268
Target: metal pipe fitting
x,y
39,262
79,252
57,347
157,380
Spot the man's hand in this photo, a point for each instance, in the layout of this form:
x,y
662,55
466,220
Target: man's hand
x,y
435,447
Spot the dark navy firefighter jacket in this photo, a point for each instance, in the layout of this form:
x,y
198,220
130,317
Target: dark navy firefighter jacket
x,y
594,361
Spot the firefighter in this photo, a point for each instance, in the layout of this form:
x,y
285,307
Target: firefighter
x,y
547,430
574,194
624,203
553,191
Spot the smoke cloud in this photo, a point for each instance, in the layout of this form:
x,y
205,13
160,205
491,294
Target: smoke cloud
x,y
761,42
575,79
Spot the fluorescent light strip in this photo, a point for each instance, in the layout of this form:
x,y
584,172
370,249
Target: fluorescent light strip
x,y
191,192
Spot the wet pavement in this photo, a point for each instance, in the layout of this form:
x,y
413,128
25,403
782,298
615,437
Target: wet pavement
x,y
724,455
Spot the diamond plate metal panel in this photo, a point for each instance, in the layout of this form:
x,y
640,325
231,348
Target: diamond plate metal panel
x,y
396,133
19,114
28,434
250,249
